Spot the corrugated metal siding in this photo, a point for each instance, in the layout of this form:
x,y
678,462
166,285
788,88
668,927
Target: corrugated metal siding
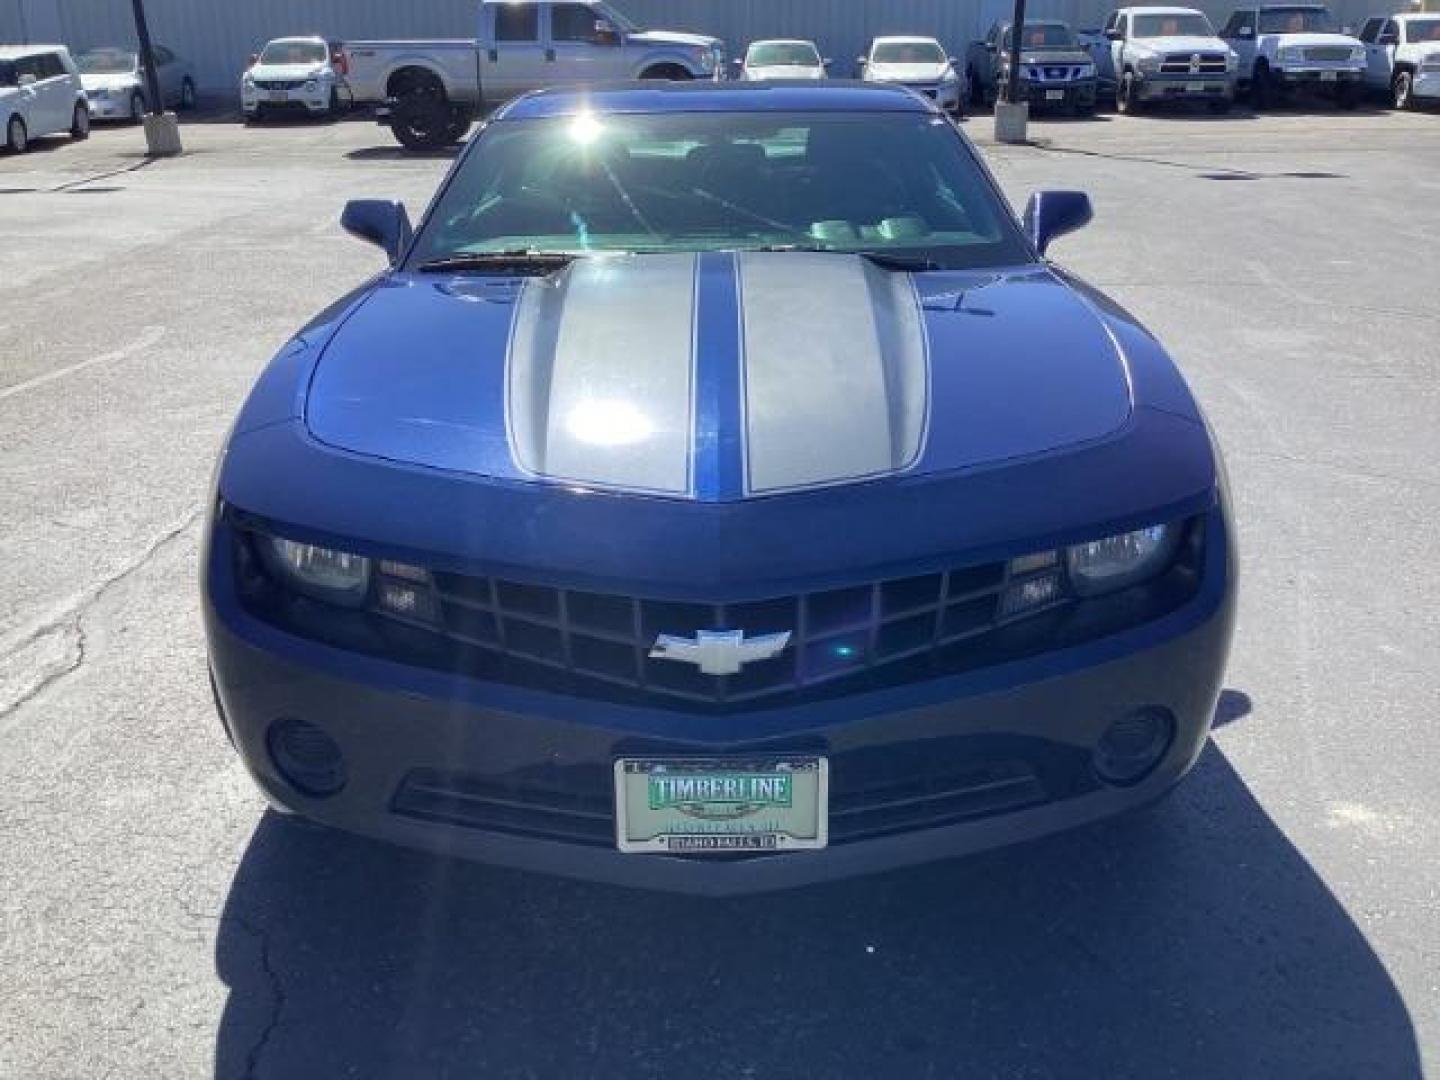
x,y
218,35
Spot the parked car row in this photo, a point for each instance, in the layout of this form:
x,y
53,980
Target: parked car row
x,y
429,92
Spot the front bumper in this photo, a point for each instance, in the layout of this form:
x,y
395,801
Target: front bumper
x,y
426,752
257,102
948,95
1200,87
1318,78
1059,95
109,107
1426,85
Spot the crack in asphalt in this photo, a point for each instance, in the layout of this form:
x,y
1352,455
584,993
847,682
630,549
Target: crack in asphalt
x,y
278,997
71,620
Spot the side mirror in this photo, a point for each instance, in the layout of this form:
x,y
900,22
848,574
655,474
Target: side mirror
x,y
1049,214
1385,39
27,80
1114,35
380,221
990,46
826,62
1245,33
739,61
861,61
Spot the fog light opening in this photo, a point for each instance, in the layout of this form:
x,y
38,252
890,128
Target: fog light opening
x,y
309,760
1132,746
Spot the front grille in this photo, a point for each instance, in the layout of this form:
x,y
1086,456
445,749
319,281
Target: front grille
x,y
606,639
279,84
874,792
1056,72
1193,64
1328,52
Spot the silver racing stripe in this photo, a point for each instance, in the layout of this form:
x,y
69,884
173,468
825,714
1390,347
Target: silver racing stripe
x,y
600,374
837,379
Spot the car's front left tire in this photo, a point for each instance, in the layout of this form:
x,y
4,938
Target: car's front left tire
x,y
80,122
17,136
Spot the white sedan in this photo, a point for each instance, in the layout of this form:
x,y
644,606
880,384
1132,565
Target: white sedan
x,y
301,75
782,59
921,63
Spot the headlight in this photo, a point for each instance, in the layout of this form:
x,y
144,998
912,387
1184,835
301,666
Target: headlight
x,y
247,80
1290,54
1358,54
950,76
311,85
1117,561
1148,63
1232,60
337,577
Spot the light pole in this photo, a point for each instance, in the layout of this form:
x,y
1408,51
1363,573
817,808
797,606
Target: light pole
x,y
1011,113
162,129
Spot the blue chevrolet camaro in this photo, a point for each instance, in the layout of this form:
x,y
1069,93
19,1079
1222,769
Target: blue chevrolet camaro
x,y
719,491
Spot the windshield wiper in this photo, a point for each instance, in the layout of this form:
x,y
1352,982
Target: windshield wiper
x,y
524,261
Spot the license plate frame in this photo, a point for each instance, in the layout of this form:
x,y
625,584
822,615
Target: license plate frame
x,y
1329,76
279,97
1054,95
721,814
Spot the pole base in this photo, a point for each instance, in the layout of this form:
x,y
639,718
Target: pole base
x,y
1010,121
162,135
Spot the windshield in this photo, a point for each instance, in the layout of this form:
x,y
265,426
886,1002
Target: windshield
x,y
716,181
295,52
1044,36
618,19
106,62
1190,25
782,54
908,52
1295,21
1422,30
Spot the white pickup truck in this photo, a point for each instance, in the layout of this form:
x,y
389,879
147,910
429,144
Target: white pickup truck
x,y
1169,54
1403,57
429,92
1289,47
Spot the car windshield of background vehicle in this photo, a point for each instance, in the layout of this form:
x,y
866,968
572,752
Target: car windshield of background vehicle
x,y
901,183
1044,36
106,62
1153,26
295,52
1296,21
782,54
908,52
1422,30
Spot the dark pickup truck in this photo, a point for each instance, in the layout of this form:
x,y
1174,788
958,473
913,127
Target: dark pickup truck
x,y
1055,72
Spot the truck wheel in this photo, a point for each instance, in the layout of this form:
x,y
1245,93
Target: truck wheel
x,y
1126,100
1262,94
458,128
80,122
421,122
16,137
669,72
1402,90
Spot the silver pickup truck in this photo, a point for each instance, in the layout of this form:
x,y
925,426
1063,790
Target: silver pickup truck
x,y
429,92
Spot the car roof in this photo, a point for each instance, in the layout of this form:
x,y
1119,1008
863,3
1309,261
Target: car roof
x,y
18,52
298,39
780,41
1410,16
836,95
905,39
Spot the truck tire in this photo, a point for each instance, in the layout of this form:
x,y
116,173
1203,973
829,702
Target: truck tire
x,y
421,121
667,72
1402,90
1126,100
1262,94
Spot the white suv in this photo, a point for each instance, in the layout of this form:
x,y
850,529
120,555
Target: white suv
x,y
40,94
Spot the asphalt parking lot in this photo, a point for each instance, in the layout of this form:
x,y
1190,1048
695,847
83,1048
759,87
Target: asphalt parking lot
x,y
1279,916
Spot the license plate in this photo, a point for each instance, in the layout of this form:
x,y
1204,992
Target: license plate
x,y
712,806
1329,76
1054,95
1195,88
278,95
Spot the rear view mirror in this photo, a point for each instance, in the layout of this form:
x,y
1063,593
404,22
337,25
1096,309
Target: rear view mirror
x,y
1049,214
380,221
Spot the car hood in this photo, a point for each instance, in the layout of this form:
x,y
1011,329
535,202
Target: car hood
x,y
288,71
784,71
719,377
672,37
1161,45
1312,39
1055,56
907,72
122,81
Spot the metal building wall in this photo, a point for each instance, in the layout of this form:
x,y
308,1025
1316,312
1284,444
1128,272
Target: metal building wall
x,y
218,35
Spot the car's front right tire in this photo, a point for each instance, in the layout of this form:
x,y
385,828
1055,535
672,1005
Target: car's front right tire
x,y
1127,101
1402,90
80,122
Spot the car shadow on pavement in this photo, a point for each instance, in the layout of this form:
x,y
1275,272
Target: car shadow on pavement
x,y
1190,940
399,153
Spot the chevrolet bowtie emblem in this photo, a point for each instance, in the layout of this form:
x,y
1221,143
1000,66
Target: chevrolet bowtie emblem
x,y
719,652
